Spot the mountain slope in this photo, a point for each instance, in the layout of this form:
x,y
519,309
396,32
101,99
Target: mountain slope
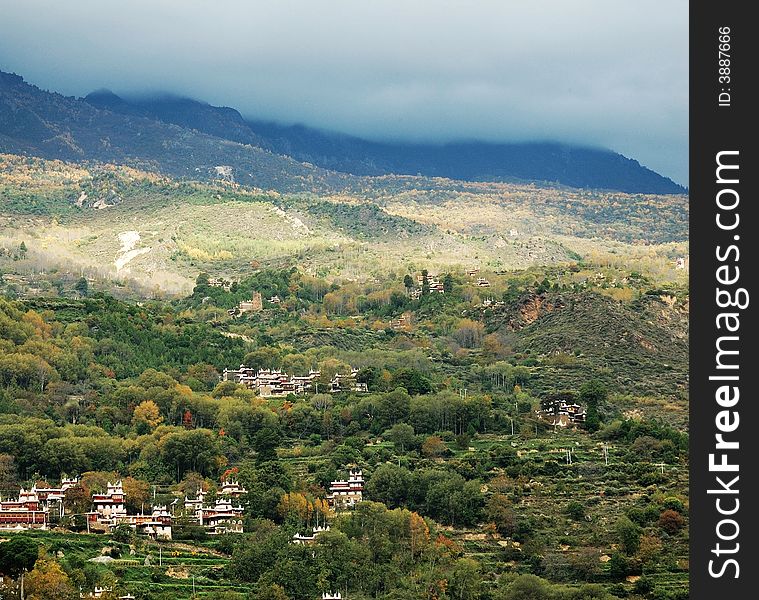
x,y
469,161
57,127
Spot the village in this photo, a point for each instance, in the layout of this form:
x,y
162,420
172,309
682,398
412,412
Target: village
x,y
274,383
37,507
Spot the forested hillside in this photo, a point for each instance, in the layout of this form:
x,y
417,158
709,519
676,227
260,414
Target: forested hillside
x,y
470,491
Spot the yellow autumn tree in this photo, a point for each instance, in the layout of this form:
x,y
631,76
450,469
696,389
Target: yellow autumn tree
x,y
295,505
147,415
48,581
419,533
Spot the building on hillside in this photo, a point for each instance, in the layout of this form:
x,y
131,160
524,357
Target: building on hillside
x,y
156,525
309,540
97,592
273,383
193,504
111,504
331,596
275,300
482,282
109,510
220,283
560,413
24,512
402,323
255,304
222,517
435,285
347,383
232,489
347,493
52,497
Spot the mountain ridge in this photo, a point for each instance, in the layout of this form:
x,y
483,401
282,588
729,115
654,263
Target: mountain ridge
x,y
189,139
461,160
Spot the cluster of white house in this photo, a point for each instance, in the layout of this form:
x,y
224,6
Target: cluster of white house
x,y
434,285
32,509
560,413
346,493
273,383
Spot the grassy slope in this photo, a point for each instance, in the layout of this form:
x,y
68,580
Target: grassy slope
x,y
391,223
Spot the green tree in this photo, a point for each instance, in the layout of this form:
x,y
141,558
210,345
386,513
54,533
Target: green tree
x,y
402,435
425,283
81,287
593,394
389,484
526,587
629,535
18,554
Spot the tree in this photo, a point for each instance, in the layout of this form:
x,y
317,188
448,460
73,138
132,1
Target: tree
x,y
394,407
137,493
270,592
527,587
419,534
619,566
402,436
671,521
575,510
469,333
266,357
433,447
81,287
499,510
17,555
466,580
265,444
201,281
593,394
412,381
629,535
146,416
48,581
448,283
408,282
425,283
389,484
8,472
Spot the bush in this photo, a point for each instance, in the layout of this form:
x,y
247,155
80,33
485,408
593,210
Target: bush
x,y
575,510
671,521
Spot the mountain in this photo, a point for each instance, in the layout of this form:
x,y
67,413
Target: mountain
x,y
52,126
468,161
190,139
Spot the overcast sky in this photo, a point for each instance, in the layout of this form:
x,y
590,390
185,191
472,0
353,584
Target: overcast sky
x,y
598,72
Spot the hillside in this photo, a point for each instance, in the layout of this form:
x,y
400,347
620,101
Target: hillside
x,y
122,224
466,483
